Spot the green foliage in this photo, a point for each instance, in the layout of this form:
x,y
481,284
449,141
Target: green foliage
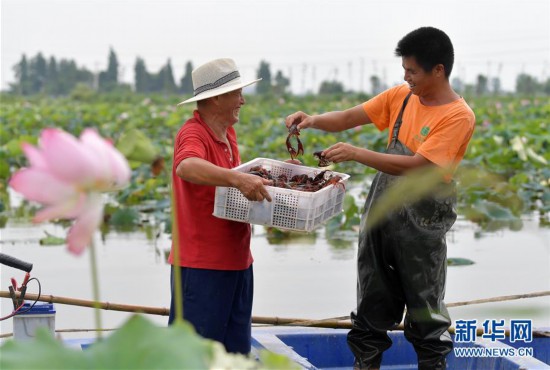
x,y
186,83
264,72
51,240
82,92
506,162
108,80
277,236
141,81
124,218
3,221
162,81
526,84
138,344
331,87
351,214
281,84
41,77
64,78
459,262
136,146
507,159
482,86
21,69
492,215
38,77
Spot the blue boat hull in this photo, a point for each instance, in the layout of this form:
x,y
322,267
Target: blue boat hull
x,y
316,348
327,349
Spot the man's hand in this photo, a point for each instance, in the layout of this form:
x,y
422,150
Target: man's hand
x,y
253,187
340,152
303,120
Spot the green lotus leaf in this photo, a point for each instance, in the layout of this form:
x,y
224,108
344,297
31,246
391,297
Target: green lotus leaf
x,y
459,262
51,240
136,146
138,344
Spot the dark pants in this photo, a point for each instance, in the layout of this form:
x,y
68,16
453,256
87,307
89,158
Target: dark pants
x,y
396,274
218,304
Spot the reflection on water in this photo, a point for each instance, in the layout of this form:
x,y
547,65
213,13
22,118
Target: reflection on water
x,y
302,276
276,236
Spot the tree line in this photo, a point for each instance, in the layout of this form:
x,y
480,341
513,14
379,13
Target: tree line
x,y
39,75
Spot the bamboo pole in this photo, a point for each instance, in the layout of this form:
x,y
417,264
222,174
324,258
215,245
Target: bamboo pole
x,y
335,322
86,303
500,299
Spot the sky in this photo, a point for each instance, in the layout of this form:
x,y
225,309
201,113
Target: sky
x,y
309,41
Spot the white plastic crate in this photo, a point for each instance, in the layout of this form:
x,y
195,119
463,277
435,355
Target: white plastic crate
x,y
289,209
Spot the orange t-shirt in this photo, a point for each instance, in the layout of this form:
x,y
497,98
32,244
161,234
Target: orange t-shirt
x,y
438,133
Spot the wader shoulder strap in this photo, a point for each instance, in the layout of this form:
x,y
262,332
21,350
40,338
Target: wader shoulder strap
x,y
399,120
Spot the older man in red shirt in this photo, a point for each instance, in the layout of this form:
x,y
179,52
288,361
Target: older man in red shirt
x,y
214,254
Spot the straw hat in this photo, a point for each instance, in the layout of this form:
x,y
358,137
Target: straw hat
x,y
216,78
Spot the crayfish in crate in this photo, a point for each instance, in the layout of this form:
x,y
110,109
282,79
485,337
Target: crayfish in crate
x,y
301,182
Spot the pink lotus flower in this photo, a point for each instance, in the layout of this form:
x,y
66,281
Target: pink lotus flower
x,y
68,175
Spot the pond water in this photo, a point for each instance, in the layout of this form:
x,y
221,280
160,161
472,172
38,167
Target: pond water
x,y
306,277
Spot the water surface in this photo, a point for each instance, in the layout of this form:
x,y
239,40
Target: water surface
x,y
305,277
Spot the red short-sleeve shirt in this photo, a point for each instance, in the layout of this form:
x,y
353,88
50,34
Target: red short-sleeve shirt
x,y
206,241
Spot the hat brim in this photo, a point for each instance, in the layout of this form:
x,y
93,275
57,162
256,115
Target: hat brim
x,y
219,91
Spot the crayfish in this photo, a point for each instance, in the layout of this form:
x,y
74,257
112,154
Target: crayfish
x,y
300,182
293,131
323,162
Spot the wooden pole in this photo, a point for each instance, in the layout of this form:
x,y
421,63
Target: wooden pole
x,y
342,322
86,303
500,299
337,323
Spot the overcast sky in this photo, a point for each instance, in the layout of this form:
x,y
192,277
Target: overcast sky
x,y
308,40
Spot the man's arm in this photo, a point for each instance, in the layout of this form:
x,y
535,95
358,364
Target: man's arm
x,y
335,121
199,171
392,164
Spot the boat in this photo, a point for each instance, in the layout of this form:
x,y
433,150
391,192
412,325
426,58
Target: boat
x,y
327,349
322,348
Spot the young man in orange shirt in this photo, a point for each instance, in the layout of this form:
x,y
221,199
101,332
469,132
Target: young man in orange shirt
x,y
402,260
